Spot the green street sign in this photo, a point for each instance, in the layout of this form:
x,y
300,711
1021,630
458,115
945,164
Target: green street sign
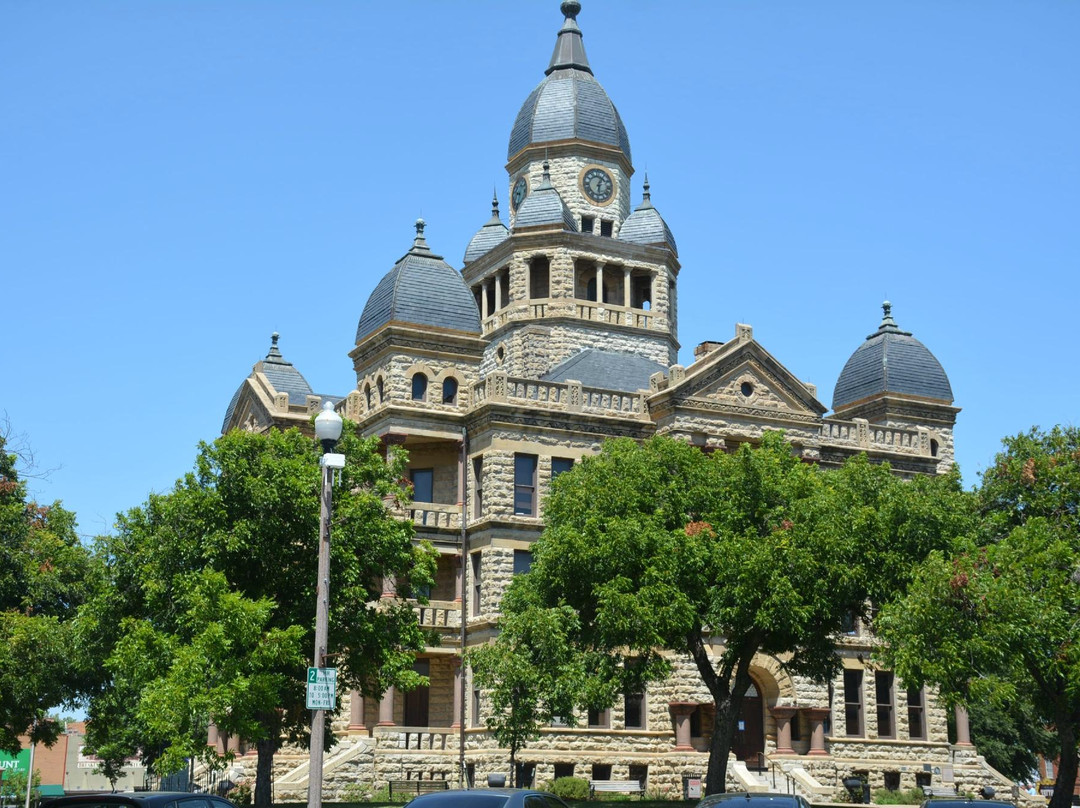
x,y
321,688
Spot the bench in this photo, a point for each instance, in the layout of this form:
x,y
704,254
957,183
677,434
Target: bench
x,y
939,792
616,786
417,787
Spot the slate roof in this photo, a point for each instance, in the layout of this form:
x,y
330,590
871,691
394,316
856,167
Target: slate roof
x,y
646,226
491,235
281,374
544,206
421,289
606,369
569,102
891,361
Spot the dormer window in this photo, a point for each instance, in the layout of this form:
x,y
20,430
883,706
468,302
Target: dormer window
x,y
419,387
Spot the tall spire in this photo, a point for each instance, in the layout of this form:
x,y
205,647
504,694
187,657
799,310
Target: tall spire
x,y
569,47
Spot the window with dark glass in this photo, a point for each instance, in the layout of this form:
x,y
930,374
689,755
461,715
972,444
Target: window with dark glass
x,y
474,718
634,710
423,482
695,723
853,704
522,561
560,464
381,389
476,583
601,771
883,690
416,700
587,224
916,714
599,718
605,227
478,485
525,485
540,277
449,390
564,770
367,395
640,772
419,386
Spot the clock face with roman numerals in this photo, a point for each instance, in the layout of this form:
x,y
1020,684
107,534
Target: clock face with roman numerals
x,y
521,188
598,185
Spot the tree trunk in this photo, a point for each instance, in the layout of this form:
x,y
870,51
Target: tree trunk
x,y
727,712
264,772
513,765
1067,766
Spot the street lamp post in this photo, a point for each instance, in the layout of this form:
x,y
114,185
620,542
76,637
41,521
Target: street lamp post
x,y
327,430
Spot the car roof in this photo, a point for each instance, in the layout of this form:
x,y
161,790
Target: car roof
x,y
143,798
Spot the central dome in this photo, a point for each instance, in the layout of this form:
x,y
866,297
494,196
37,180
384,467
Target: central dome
x,y
569,103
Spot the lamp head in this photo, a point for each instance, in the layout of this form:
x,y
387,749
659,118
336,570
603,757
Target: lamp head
x,y
328,427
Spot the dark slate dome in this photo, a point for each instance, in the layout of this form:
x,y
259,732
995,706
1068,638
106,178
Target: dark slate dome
x,y
488,237
421,289
544,206
281,374
891,361
569,102
646,226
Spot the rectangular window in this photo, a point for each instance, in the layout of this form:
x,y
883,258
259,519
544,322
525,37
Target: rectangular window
x,y
915,714
796,728
605,227
640,772
416,700
522,561
560,464
564,770
853,705
525,485
559,721
883,691
476,584
478,486
634,710
587,224
601,771
474,718
599,718
423,482
695,723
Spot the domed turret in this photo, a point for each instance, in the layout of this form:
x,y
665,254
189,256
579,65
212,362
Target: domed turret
x,y
421,289
646,226
544,207
891,361
489,236
569,103
281,374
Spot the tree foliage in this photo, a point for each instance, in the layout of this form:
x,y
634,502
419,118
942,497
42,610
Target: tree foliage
x,y
209,612
45,574
659,548
998,621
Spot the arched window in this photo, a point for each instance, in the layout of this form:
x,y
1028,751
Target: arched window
x,y
933,448
449,390
419,387
379,387
367,395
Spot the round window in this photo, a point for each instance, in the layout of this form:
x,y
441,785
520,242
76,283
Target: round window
x,y
747,389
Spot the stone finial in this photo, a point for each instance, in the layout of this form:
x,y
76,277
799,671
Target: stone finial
x,y
547,174
570,8
419,243
887,320
420,224
274,353
494,204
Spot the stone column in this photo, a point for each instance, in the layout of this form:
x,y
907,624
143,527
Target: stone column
x,y
486,302
459,581
963,733
212,737
783,729
626,287
456,664
817,718
356,709
681,711
528,278
599,283
498,292
654,298
386,708
389,587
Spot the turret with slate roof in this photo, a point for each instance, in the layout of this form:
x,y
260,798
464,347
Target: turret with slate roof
x,y
646,226
491,235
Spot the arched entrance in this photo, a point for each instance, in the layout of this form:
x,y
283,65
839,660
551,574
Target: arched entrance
x,y
749,741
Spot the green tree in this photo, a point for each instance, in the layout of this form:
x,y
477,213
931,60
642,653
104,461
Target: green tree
x,y
45,574
209,612
660,548
998,621
1010,737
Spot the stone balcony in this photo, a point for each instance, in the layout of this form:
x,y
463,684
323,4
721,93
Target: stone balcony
x,y
573,308
859,433
439,614
559,396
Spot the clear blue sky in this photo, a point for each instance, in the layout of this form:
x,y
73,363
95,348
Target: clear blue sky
x,y
179,180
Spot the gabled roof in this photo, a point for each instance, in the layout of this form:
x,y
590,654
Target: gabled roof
x,y
606,369
282,376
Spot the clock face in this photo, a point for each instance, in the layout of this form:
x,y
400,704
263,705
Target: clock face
x,y
521,188
598,185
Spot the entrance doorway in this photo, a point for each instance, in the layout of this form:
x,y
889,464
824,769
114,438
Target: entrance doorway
x,y
749,741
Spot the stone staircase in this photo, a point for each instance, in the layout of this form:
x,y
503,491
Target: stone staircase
x,y
339,769
782,777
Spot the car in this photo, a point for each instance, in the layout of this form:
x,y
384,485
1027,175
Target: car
x,y
487,798
760,799
138,799
957,802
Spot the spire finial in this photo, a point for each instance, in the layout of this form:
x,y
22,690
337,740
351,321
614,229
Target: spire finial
x,y
887,321
273,353
547,172
645,189
569,50
570,8
494,203
420,224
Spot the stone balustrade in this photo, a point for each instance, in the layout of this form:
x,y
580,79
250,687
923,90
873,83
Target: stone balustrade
x,y
538,309
567,396
434,515
859,432
439,614
417,738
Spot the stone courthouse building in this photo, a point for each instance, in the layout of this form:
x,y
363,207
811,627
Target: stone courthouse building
x,y
561,330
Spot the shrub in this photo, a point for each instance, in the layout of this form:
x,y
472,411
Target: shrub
x,y
886,796
570,788
241,793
